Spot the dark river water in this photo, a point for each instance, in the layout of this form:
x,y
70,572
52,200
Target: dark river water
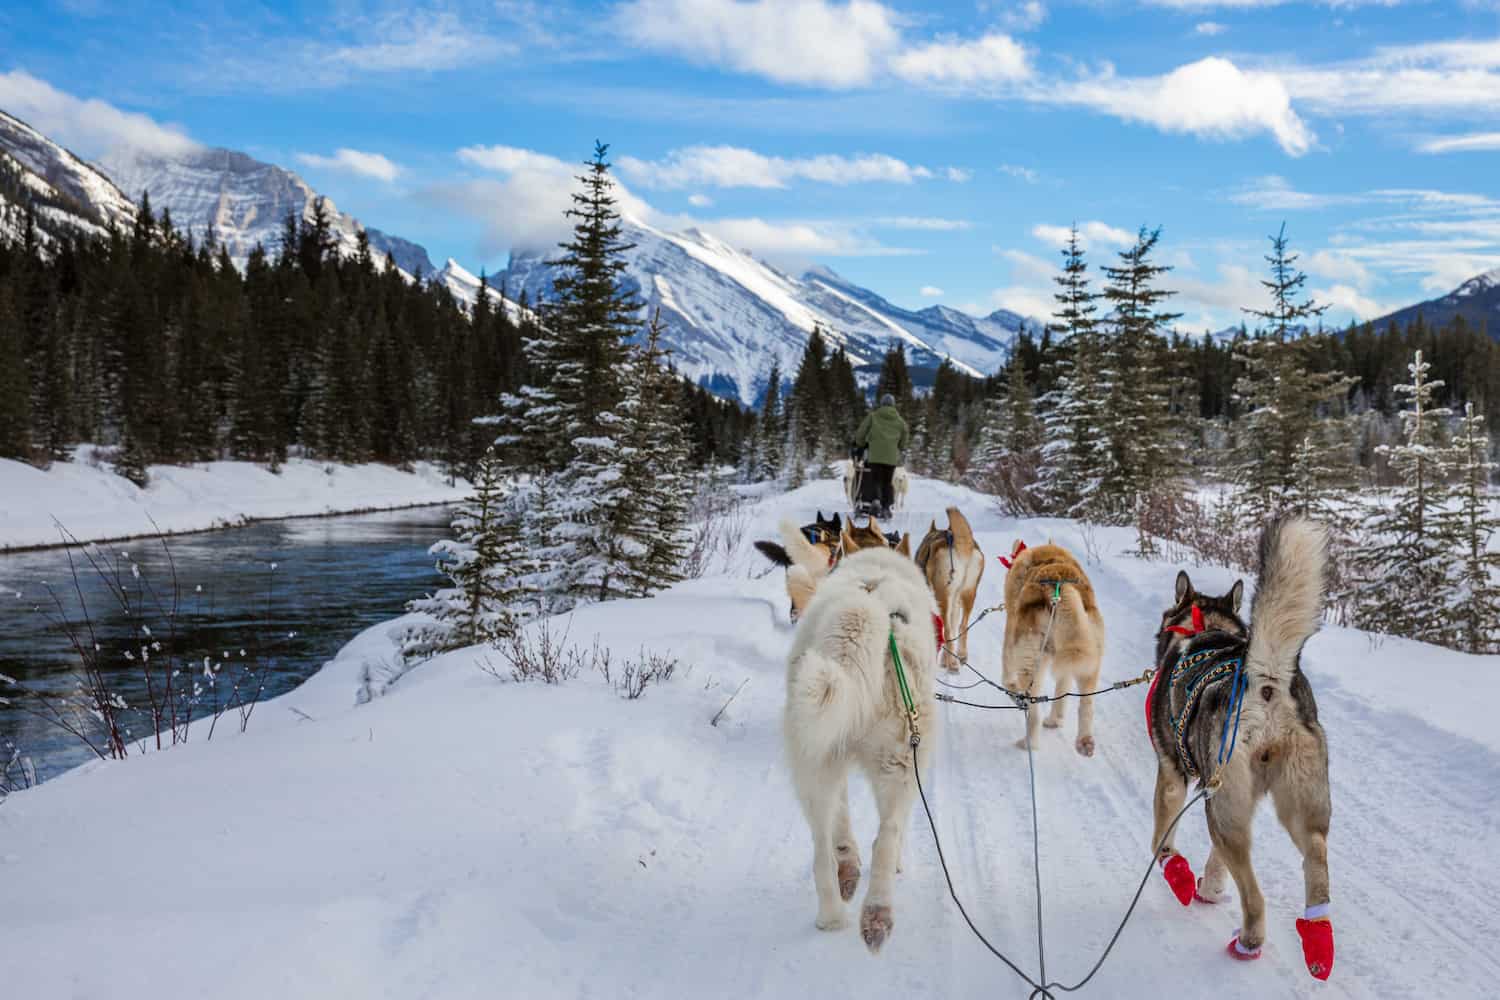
x,y
332,577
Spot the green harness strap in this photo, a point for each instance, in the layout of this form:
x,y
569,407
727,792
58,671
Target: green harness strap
x,y
906,699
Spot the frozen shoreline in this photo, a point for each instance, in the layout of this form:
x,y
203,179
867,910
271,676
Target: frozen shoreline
x,y
94,505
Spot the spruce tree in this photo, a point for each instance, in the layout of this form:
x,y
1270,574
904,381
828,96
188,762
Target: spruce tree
x,y
770,430
1468,527
1403,580
1074,440
1144,448
484,561
1281,395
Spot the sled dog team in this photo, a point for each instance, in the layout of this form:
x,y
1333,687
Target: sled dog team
x,y
1228,706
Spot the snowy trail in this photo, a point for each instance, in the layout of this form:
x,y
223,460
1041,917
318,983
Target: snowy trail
x,y
462,837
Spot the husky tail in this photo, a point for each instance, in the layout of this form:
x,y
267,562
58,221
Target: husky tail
x,y
834,693
800,551
959,525
775,553
1288,605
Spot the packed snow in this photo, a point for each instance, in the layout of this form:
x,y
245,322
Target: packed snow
x,y
467,836
93,503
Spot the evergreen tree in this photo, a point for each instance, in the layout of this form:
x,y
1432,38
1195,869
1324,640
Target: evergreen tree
x,y
1402,569
1144,451
484,562
1073,451
1468,526
1281,395
770,430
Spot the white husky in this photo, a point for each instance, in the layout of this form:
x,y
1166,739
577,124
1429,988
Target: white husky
x,y
844,707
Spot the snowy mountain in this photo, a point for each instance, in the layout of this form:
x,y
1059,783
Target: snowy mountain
x,y
464,286
67,192
1476,300
729,315
244,200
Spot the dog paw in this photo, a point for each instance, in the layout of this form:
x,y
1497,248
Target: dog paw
x,y
848,879
1052,723
1021,743
1085,745
875,925
835,921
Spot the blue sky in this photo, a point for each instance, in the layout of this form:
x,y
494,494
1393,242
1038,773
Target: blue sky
x,y
932,152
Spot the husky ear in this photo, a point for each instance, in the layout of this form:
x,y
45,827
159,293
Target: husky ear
x,y
905,547
838,522
874,528
1237,595
1185,586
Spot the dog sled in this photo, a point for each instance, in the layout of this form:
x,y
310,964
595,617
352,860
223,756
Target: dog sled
x,y
862,488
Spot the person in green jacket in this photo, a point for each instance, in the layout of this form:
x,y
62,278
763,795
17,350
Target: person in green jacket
x,y
886,437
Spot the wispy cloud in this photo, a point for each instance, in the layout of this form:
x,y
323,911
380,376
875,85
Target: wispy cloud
x,y
1210,28
1091,235
1025,16
735,166
1026,174
964,64
353,161
1454,76
1471,143
90,126
923,222
700,200
931,292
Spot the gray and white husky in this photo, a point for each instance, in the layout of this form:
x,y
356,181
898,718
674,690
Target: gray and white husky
x,y
844,709
1278,746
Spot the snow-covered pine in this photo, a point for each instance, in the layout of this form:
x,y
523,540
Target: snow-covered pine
x,y
1403,569
1471,521
657,471
1144,448
1073,450
1283,399
484,561
770,431
1010,445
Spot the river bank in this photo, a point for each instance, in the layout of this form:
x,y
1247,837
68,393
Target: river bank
x,y
92,504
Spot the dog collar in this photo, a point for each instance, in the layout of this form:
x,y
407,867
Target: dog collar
x,y
1196,627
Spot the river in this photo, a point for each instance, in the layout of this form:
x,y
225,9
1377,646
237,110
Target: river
x,y
288,593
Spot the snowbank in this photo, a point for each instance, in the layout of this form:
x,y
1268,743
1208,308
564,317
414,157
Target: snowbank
x,y
463,837
94,504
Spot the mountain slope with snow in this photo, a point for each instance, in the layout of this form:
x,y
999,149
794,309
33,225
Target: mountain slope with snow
x,y
463,836
728,315
69,194
244,200
1476,300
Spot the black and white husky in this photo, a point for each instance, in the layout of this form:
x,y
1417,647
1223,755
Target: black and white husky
x,y
844,710
1225,692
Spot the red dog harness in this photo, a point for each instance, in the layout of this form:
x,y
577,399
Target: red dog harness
x,y
1020,547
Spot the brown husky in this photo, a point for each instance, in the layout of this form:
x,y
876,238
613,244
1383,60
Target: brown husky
x,y
953,565
1208,663
1040,578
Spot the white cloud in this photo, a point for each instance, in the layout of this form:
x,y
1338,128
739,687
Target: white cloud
x,y
90,126
931,292
1036,303
413,40
1210,28
1429,76
1273,193
958,174
1020,173
1350,301
1025,266
1026,16
510,159
1338,266
735,166
1211,98
817,42
928,223
1473,142
700,200
1091,235
355,162
992,59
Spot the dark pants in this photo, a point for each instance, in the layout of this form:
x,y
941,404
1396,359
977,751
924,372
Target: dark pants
x,y
880,485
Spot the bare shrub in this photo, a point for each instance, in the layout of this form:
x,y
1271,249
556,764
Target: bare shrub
x,y
179,687
540,654
638,674
1012,478
719,524
16,770
1177,527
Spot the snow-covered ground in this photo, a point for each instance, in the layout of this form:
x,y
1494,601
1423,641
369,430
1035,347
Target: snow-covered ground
x,y
94,504
466,837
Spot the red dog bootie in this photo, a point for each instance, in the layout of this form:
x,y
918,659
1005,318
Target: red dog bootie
x,y
1239,952
1316,931
1179,875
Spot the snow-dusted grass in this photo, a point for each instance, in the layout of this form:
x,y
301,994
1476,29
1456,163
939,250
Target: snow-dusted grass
x,y
94,504
467,836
